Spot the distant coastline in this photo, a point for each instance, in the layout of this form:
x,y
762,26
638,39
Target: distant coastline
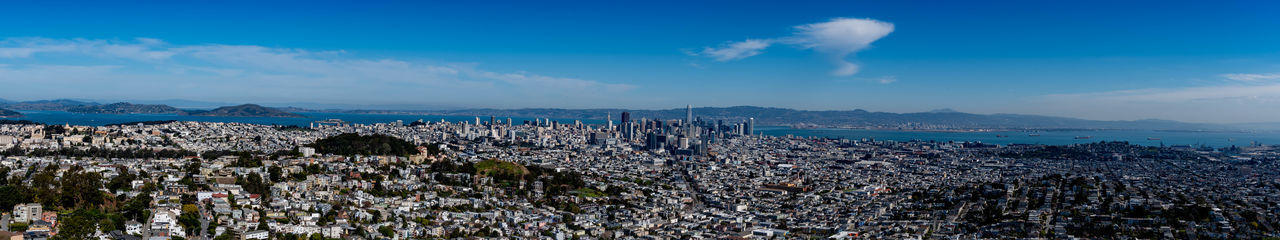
x,y
245,110
6,113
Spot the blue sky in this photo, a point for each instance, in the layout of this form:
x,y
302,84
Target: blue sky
x,y
1188,61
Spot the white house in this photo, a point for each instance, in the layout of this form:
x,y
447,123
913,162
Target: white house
x,y
259,234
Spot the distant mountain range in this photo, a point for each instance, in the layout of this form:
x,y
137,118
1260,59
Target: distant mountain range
x,y
764,116
126,108
246,110
48,105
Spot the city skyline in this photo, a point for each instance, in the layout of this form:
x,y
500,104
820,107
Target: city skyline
x,y
1188,62
754,120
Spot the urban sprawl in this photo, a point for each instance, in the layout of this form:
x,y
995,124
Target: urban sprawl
x,y
639,179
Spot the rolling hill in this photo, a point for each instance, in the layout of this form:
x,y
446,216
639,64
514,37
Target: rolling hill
x,y
246,110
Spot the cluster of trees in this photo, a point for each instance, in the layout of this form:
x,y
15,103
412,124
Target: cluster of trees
x,y
355,144
500,170
253,183
77,196
555,183
76,189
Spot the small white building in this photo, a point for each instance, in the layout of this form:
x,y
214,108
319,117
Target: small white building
x,y
307,151
27,212
133,227
259,234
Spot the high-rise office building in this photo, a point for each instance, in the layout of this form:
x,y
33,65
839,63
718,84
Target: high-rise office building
x,y
688,120
627,129
751,126
688,111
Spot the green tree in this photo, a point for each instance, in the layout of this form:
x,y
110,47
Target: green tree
x,y
231,199
386,231
190,221
11,196
276,174
80,189
136,208
123,181
79,224
224,236
254,184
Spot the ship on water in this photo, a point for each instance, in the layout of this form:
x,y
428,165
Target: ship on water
x,y
1153,138
1084,137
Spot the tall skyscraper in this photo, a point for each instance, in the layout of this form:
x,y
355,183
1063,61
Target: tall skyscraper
x,y
627,128
751,126
688,120
688,111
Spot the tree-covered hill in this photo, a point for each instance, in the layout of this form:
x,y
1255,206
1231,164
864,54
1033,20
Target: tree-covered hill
x,y
355,144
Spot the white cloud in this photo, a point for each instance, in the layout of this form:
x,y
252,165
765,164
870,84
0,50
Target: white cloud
x,y
837,39
840,38
151,67
737,50
144,49
1251,77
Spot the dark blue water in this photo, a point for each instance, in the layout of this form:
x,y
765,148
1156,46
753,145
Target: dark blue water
x,y
1214,139
57,117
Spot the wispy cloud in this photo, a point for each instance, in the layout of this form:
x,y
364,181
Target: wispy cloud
x,y
737,50
837,39
1251,77
140,49
150,66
